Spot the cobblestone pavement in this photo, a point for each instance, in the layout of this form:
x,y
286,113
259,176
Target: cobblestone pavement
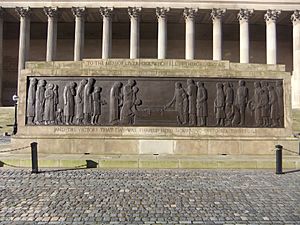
x,y
94,196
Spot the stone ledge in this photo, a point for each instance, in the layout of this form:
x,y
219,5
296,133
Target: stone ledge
x,y
155,162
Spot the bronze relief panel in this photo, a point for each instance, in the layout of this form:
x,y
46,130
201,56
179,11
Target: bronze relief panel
x,y
155,101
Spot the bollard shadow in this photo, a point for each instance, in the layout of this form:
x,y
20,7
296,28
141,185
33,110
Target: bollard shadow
x,y
89,165
1,164
292,171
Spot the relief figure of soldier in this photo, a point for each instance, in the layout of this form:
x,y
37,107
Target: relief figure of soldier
x,y
242,100
40,101
279,92
179,99
229,99
273,101
97,104
115,102
69,103
79,102
31,101
219,105
192,98
49,114
88,101
126,113
255,104
201,105
265,106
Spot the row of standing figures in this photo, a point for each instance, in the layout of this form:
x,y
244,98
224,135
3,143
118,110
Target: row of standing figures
x,y
82,104
230,106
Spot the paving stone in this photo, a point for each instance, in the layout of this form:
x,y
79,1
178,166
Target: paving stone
x,y
148,197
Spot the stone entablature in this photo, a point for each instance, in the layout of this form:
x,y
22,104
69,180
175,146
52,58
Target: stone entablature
x,y
205,4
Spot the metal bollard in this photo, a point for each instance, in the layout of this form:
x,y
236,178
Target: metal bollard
x,y
278,159
34,158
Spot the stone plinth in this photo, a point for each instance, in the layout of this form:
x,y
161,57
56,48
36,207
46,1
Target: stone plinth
x,y
129,139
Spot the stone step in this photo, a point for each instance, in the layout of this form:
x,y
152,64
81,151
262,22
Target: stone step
x,y
150,161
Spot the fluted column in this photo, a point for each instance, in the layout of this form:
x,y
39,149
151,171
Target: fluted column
x,y
271,17
295,18
189,15
243,17
79,14
51,13
106,31
134,14
216,15
161,14
24,38
1,53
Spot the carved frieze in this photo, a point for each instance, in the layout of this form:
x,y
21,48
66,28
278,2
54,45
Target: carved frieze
x,y
145,101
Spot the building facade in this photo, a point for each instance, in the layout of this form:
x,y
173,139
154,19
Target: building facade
x,y
238,31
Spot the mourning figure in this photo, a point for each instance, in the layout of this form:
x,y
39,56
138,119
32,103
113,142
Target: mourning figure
x,y
88,101
192,98
219,105
126,113
265,106
79,102
201,105
56,97
115,102
242,100
97,103
273,101
49,114
39,101
255,104
136,102
69,103
279,92
229,100
31,101
179,100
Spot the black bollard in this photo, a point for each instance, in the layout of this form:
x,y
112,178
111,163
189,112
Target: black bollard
x,y
278,159
34,158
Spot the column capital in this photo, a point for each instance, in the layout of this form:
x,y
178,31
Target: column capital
x,y
78,11
134,12
244,14
295,17
217,13
190,13
106,11
162,12
23,11
272,15
51,12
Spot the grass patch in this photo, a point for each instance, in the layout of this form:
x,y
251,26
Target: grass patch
x,y
7,115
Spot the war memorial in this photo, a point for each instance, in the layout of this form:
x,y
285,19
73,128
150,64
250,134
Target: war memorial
x,y
151,84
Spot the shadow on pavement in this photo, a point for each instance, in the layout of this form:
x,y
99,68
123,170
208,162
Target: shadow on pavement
x,y
292,171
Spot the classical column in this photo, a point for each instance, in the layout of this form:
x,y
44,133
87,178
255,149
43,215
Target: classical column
x,y
161,14
1,53
189,15
24,38
271,17
134,14
51,13
243,16
106,31
79,14
216,15
295,18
